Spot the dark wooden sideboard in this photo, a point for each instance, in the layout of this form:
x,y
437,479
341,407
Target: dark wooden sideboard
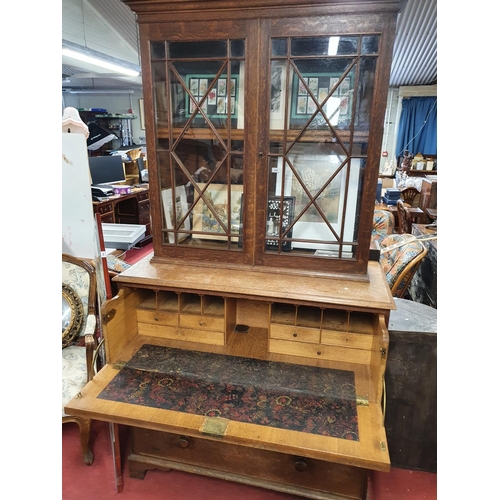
x,y
132,208
411,386
423,287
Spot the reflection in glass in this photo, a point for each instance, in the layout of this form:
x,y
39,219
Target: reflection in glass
x,y
324,46
323,115
201,172
322,93
369,44
160,92
158,50
364,99
279,46
317,177
195,50
237,48
66,313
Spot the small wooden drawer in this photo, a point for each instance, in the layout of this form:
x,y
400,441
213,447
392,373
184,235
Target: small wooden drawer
x,y
105,208
320,351
108,218
211,337
342,339
296,333
144,219
201,322
143,196
144,207
157,317
184,334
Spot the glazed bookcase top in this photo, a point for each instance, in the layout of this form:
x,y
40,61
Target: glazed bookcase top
x,y
264,132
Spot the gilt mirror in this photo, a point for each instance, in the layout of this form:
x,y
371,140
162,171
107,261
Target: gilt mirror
x,y
72,315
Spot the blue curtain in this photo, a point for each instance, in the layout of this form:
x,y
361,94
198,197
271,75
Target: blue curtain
x,y
418,126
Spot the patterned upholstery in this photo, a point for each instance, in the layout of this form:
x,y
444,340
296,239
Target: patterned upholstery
x,y
383,225
74,373
400,263
74,365
77,358
116,264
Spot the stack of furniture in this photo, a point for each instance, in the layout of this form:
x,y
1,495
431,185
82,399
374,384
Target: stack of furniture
x,y
428,197
252,344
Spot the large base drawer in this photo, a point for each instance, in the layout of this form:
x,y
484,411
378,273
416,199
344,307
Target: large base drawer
x,y
307,477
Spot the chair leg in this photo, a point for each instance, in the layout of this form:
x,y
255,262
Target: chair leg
x,y
85,424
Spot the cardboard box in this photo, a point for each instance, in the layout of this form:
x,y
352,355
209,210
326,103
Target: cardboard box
x,y
388,182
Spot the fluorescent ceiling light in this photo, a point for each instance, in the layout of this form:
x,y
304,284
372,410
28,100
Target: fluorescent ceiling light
x,y
98,62
98,91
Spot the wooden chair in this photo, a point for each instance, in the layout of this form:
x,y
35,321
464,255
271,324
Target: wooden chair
x,y
78,338
400,257
404,218
408,195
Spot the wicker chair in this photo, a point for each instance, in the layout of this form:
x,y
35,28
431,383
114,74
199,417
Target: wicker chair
x,y
383,225
400,257
78,338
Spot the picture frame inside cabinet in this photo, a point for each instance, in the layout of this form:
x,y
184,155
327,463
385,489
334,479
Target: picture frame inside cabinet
x,y
181,208
201,99
280,214
311,225
220,98
338,107
208,220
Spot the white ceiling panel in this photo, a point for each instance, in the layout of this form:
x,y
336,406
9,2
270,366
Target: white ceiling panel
x,y
109,27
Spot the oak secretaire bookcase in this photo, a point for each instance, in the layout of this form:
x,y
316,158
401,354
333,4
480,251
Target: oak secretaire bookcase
x,y
252,346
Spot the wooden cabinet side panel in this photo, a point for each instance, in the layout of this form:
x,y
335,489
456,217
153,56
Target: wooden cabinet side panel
x,y
119,318
379,356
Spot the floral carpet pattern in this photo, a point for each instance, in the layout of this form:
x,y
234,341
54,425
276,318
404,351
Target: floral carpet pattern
x,y
282,395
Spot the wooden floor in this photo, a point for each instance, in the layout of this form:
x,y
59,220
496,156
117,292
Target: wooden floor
x,y
81,482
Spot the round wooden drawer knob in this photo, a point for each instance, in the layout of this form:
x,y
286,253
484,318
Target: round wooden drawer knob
x,y
183,441
300,464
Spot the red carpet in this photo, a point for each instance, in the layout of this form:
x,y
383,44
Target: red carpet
x,y
96,482
136,254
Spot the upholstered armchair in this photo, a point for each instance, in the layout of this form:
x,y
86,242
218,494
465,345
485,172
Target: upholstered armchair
x,y
400,256
78,338
383,225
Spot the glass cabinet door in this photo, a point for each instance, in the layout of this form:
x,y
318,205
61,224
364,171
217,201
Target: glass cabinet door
x,y
320,99
262,144
198,99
